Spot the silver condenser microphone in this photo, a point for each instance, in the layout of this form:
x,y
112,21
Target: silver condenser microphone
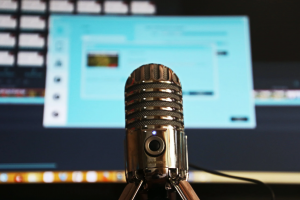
x,y
156,145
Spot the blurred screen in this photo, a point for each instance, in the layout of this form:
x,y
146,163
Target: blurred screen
x,y
76,51
90,58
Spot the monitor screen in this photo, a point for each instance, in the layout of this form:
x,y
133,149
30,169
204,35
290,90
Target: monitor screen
x,y
90,59
63,67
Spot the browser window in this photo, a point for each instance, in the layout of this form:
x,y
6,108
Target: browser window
x,y
90,58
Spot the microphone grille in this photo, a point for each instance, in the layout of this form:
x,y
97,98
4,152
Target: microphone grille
x,y
152,72
153,96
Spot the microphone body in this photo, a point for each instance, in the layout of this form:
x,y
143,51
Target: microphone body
x,y
155,145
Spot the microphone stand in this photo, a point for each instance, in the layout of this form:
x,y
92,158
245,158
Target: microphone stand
x,y
183,188
157,193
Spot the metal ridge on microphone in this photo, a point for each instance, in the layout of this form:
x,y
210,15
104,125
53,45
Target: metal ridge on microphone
x,y
153,96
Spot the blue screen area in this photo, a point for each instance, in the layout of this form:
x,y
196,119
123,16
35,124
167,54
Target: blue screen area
x,y
90,58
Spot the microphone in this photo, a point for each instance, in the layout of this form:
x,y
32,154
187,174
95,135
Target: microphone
x,y
155,146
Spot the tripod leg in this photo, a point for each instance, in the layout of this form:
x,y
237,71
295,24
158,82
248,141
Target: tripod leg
x,y
185,190
130,191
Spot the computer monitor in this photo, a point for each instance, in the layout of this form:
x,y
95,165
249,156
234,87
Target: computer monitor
x,y
90,59
238,119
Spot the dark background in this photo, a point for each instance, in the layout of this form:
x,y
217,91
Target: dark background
x,y
113,191
272,146
274,29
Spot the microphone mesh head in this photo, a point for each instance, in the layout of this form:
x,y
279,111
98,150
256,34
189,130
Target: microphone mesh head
x,y
153,96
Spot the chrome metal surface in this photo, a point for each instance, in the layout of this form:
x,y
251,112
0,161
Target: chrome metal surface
x,y
137,157
187,190
153,108
161,145
137,189
130,191
179,191
186,160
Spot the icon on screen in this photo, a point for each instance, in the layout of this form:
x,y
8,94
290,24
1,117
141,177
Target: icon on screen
x,y
77,176
55,114
48,177
32,177
91,176
105,176
120,176
63,176
58,63
3,177
57,79
18,178
56,96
